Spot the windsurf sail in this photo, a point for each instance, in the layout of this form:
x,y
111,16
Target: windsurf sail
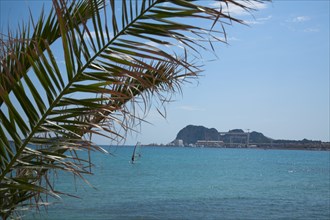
x,y
136,152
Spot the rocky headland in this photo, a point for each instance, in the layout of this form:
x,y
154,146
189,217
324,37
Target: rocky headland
x,y
200,136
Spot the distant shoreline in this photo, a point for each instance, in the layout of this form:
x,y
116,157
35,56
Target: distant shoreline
x,y
200,136
325,147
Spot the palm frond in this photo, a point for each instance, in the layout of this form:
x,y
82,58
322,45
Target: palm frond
x,y
15,46
116,55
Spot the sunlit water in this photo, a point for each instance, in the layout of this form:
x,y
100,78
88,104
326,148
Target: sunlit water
x,y
199,183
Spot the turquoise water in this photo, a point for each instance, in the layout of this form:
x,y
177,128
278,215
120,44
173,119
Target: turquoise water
x,y
200,183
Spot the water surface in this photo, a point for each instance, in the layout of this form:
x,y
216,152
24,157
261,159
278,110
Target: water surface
x,y
200,183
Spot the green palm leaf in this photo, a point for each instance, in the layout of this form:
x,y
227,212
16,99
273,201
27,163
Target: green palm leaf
x,y
49,111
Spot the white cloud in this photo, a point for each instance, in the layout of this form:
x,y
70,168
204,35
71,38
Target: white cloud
x,y
233,39
228,39
237,10
265,18
190,108
300,19
258,20
153,44
251,22
311,30
59,60
300,23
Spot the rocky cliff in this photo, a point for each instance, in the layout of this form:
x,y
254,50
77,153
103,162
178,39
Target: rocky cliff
x,y
191,134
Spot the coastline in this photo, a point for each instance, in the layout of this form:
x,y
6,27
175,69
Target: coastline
x,y
325,146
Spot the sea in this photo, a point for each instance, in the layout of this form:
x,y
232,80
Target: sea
x,y
197,183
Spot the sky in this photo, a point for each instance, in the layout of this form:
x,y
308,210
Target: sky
x,y
273,77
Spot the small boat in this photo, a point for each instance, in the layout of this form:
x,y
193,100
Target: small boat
x,y
136,152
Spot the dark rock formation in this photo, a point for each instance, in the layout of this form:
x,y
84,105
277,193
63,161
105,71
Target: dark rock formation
x,y
192,133
257,137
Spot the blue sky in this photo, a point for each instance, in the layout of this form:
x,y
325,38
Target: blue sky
x,y
273,77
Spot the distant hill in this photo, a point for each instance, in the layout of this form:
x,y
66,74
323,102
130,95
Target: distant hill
x,y
237,137
257,137
254,137
192,133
